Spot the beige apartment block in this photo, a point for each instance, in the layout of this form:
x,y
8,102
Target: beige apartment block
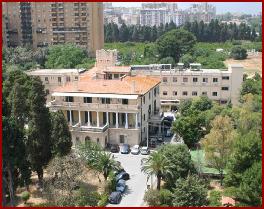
x,y
53,78
109,111
48,23
181,84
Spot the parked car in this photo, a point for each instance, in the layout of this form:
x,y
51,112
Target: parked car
x,y
135,150
114,148
121,186
115,197
116,172
144,151
124,149
123,175
169,133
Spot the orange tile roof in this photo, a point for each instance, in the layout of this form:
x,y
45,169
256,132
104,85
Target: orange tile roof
x,y
88,84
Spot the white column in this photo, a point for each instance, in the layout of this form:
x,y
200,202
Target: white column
x,y
116,119
97,118
136,125
126,126
80,120
107,118
70,118
89,118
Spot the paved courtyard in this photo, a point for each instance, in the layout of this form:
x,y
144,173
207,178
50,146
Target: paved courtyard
x,y
137,184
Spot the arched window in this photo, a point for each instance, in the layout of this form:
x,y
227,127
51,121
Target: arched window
x,y
87,138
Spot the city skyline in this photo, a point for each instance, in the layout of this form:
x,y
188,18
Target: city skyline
x,y
234,7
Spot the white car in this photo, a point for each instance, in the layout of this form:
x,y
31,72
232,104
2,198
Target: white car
x,y
135,150
145,151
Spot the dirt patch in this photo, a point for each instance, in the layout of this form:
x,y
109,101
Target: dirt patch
x,y
252,64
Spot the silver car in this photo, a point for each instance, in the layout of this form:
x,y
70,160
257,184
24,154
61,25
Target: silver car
x,y
135,150
144,151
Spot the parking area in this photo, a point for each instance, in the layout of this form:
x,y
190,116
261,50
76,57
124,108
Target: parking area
x,y
137,184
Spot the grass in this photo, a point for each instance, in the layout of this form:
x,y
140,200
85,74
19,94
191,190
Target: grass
x,y
198,157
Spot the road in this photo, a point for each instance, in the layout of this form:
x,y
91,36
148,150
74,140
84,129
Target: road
x,y
137,184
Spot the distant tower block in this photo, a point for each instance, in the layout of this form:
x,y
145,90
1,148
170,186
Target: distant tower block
x,y
106,58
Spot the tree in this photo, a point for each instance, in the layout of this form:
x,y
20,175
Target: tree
x,y
25,196
65,173
250,189
217,144
175,43
123,33
157,164
189,192
161,197
64,56
238,53
251,86
60,134
38,140
180,157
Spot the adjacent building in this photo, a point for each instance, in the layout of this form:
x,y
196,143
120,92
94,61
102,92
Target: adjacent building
x,y
201,12
180,84
46,23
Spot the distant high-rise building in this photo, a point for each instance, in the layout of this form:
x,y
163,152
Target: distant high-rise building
x,y
151,17
48,23
201,12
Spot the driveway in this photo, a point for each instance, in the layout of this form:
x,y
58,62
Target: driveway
x,y
137,184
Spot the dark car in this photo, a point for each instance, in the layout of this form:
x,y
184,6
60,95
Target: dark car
x,y
124,149
121,186
123,175
115,197
114,148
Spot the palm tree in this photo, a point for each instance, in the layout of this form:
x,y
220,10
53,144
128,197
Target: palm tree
x,y
106,163
157,164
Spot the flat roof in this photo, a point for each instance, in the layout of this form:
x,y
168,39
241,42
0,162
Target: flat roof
x,y
53,71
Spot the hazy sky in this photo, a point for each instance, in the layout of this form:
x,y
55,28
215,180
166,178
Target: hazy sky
x,y
221,7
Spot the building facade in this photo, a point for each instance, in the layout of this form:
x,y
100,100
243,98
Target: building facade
x,y
181,84
201,12
46,23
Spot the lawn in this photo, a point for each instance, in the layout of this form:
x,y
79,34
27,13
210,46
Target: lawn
x,y
198,157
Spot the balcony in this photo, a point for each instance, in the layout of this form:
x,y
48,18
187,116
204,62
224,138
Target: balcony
x,y
95,106
100,129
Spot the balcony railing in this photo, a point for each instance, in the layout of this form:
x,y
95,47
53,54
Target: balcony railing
x,y
100,129
95,105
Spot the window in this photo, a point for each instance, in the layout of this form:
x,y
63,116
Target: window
x,y
97,140
125,101
116,75
47,92
214,93
194,93
105,100
46,79
87,99
68,79
175,93
149,95
69,99
121,139
215,80
144,117
195,80
225,88
59,79
204,93
205,80
174,79
165,93
185,79
184,93
165,80
144,99
225,78
155,92
87,139
76,78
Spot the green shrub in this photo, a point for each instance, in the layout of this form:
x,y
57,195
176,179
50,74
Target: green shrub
x,y
238,53
25,196
86,198
103,200
152,197
215,198
165,197
110,185
236,42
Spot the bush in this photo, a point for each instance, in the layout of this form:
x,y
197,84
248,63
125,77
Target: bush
x,y
236,42
110,185
215,198
152,197
86,198
103,200
238,53
25,196
165,197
